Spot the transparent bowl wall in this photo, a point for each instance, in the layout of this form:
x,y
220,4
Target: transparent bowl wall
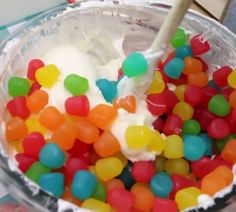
x,y
84,26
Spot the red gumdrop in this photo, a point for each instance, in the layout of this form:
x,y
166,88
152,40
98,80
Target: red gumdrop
x,y
164,205
181,80
59,170
233,114
79,148
173,125
17,107
143,171
24,161
220,76
218,128
157,104
120,199
34,87
232,122
199,46
33,143
165,78
73,165
120,73
171,100
77,105
33,66
205,66
222,162
158,124
208,93
92,157
226,91
179,182
193,95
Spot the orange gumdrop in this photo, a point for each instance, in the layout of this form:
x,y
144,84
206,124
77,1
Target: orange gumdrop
x,y
87,131
226,173
232,99
199,79
106,145
15,129
102,115
192,65
70,198
37,101
51,118
228,153
128,103
114,183
143,198
65,135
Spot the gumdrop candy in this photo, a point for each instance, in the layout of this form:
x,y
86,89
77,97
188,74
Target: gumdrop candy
x,y
33,66
96,205
179,38
37,101
174,68
18,86
108,89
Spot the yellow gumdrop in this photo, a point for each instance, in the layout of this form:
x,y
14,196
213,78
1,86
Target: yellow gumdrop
x,y
157,85
122,158
92,169
33,125
179,92
232,79
96,205
183,110
157,143
187,197
177,166
173,147
47,75
138,136
17,146
108,168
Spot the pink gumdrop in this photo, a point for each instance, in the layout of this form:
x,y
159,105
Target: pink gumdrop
x,y
218,128
24,161
164,205
79,148
34,87
171,100
199,46
77,105
17,107
220,76
120,199
158,124
143,171
33,66
208,93
33,143
193,95
157,104
173,125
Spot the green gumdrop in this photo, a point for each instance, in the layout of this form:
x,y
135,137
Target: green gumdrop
x,y
220,143
76,84
219,106
179,38
100,192
36,171
18,86
135,65
191,127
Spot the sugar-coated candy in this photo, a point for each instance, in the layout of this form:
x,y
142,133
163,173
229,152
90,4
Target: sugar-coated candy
x,y
199,45
126,175
232,99
218,128
34,87
96,205
193,95
15,129
228,152
33,125
208,93
173,147
108,168
194,147
161,204
18,86
183,52
157,143
17,146
177,166
191,127
47,75
37,101
192,65
199,79
220,143
157,85
220,76
174,68
161,184
117,196
156,104
33,143
33,66
232,79
209,143
179,38
172,100
143,171
134,65
108,89
173,125
114,183
158,124
187,197
138,136
99,192
52,156
36,170
128,103
24,161
184,110
83,185
17,107
160,163
106,145
180,92
53,183
219,106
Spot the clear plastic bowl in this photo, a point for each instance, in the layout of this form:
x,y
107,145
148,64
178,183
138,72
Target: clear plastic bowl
x,y
123,28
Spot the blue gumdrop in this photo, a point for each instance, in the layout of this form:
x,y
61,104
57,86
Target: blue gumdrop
x,y
161,184
53,182
83,184
209,143
52,156
108,89
126,176
194,147
183,52
174,68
